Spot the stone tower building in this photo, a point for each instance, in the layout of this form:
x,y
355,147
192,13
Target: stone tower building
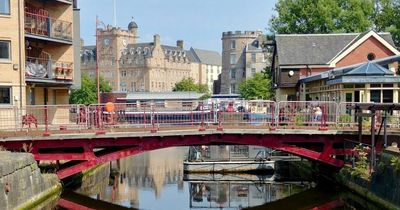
x,y
130,66
242,57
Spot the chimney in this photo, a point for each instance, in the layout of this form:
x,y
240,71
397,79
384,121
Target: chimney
x,y
179,44
157,40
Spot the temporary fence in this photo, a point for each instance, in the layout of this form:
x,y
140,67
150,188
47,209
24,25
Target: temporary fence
x,y
300,114
258,114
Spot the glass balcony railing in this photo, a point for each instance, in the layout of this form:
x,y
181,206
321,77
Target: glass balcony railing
x,y
38,68
45,26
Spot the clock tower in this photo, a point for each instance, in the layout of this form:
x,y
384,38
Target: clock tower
x,y
112,41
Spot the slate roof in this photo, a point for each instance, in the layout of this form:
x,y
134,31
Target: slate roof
x,y
163,96
150,45
207,56
368,69
368,72
316,49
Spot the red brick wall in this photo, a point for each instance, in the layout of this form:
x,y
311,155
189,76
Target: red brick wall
x,y
305,72
112,97
359,55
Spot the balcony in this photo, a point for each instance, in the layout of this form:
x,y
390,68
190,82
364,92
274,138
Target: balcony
x,y
39,25
39,69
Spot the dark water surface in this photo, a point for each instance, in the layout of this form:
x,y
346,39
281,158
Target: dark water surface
x,y
155,180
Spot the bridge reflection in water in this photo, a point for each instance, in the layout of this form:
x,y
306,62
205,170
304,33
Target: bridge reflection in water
x,y
155,180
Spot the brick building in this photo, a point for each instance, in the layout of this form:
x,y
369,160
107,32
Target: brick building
x,y
298,56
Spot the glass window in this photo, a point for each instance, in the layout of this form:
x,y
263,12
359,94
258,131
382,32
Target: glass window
x,y
387,96
376,96
233,44
5,7
253,71
376,85
5,50
233,58
5,95
253,57
233,73
233,88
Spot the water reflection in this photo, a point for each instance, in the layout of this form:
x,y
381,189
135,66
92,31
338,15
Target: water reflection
x,y
155,180
238,195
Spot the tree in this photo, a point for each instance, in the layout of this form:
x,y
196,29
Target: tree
x,y
88,92
188,84
387,18
322,16
256,87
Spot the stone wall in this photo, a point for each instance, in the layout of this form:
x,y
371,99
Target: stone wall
x,y
21,183
383,187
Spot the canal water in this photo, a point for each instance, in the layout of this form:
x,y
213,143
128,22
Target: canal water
x,y
155,180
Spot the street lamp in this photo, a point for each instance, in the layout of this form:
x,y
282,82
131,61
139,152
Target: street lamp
x,y
98,22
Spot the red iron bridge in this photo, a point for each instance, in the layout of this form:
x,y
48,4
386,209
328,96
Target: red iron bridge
x,y
78,137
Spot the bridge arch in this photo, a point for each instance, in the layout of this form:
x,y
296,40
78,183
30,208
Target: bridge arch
x,y
91,150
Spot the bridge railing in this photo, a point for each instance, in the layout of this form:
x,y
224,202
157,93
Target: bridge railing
x,y
247,113
303,114
52,117
347,117
259,114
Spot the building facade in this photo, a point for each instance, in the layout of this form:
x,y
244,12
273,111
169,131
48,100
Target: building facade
x,y
141,67
299,56
210,65
37,53
242,57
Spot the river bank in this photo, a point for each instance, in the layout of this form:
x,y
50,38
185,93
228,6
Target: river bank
x,y
22,186
382,186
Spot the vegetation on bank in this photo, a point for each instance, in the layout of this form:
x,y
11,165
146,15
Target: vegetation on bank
x,y
257,87
87,94
189,84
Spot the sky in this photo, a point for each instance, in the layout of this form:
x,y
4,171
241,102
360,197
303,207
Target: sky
x,y
199,23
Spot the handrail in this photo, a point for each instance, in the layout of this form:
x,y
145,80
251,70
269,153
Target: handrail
x,y
306,115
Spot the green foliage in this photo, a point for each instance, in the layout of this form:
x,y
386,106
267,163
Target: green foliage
x,y
299,120
361,164
387,18
395,163
256,87
322,16
188,84
88,92
344,118
328,16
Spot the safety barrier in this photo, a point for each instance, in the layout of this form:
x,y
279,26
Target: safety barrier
x,y
258,114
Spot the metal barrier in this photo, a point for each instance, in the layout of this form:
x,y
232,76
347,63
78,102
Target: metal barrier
x,y
301,114
180,114
48,118
247,113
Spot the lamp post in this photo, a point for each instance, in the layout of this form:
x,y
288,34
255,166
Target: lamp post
x,y
97,60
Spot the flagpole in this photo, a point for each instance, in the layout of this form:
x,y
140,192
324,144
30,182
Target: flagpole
x,y
97,61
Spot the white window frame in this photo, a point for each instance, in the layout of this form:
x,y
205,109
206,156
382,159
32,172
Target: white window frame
x,y
233,44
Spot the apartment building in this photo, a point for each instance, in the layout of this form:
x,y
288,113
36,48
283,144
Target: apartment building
x,y
36,51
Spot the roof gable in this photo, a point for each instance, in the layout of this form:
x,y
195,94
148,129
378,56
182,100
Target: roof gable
x,y
319,49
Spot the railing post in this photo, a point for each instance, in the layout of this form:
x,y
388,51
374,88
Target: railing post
x,y
99,113
323,126
46,121
153,129
202,126
272,127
